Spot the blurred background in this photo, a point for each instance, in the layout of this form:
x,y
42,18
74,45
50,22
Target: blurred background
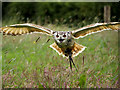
x,y
70,13
30,64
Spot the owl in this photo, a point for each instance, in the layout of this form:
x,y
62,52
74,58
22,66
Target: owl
x,y
64,40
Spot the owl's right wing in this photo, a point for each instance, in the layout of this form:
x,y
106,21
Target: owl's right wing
x,y
19,29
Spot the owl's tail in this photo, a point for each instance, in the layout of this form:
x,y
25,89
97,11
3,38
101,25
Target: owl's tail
x,y
75,50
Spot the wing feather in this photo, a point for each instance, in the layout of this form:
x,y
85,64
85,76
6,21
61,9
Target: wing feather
x,y
8,31
18,29
12,31
21,31
95,28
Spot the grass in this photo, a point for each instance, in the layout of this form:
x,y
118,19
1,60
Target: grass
x,y
0,61
35,65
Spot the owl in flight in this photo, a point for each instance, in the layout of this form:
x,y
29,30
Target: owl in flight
x,y
64,40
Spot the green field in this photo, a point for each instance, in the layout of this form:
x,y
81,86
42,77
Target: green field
x,y
26,64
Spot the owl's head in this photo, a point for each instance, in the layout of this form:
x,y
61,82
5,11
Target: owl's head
x,y
62,36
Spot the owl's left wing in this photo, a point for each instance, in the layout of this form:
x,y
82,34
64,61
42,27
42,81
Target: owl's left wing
x,y
19,29
94,28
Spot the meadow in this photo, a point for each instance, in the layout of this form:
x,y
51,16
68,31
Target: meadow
x,y
30,64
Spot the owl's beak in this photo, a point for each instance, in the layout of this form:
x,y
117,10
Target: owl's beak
x,y
61,40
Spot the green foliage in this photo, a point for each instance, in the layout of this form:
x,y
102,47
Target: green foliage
x,y
70,13
82,81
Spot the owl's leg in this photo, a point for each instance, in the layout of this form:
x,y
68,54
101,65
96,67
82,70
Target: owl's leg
x,y
68,52
71,61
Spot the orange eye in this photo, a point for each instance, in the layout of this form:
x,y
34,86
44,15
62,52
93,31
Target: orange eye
x,y
64,35
57,36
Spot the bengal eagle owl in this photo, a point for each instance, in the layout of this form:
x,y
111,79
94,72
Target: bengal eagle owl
x,y
64,40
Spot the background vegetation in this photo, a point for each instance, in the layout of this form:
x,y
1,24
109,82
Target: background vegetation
x,y
35,65
73,14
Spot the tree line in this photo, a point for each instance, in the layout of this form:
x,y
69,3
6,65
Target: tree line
x,y
70,13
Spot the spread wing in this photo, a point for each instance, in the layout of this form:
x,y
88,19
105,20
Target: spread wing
x,y
94,28
19,29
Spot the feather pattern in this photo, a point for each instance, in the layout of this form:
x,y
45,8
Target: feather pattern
x,y
76,49
95,28
18,29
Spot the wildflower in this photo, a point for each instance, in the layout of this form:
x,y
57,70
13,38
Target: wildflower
x,y
34,42
89,39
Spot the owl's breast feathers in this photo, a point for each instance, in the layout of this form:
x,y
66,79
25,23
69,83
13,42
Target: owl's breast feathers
x,y
75,49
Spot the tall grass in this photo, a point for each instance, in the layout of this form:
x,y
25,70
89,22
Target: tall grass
x,y
35,65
